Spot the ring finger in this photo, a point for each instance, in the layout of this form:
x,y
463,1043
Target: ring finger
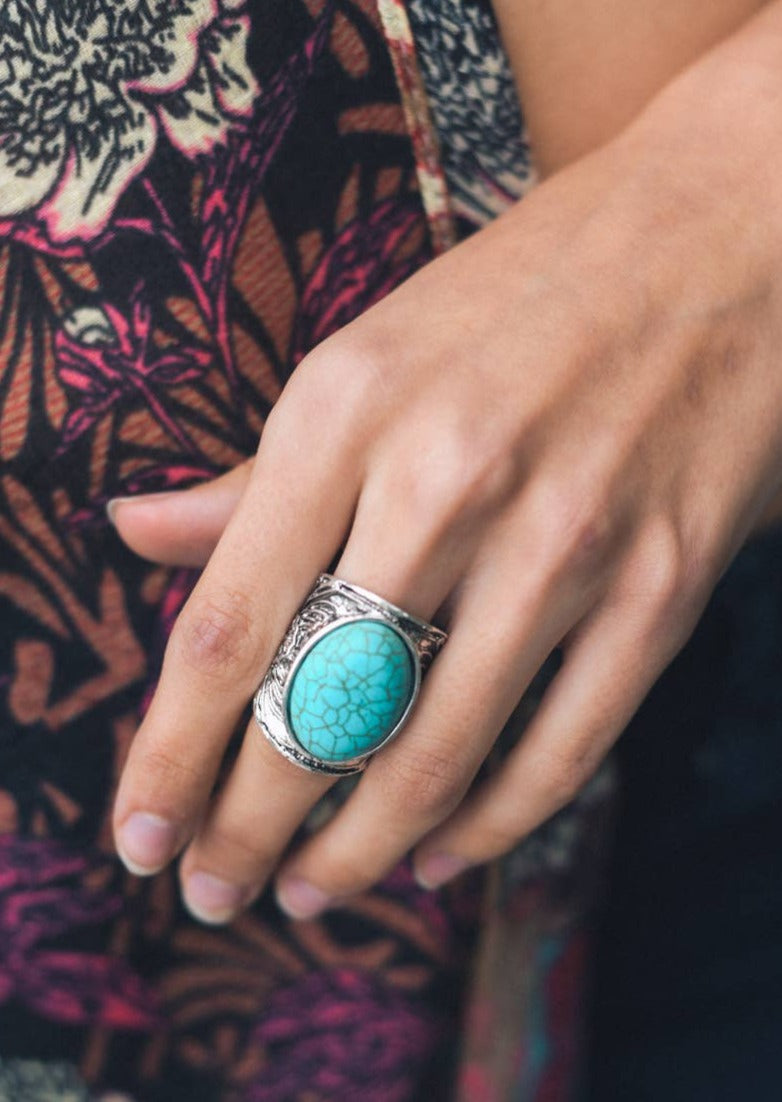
x,y
497,645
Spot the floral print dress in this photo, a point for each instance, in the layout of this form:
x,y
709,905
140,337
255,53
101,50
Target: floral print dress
x,y
194,193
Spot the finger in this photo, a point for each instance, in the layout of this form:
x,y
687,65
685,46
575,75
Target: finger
x,y
240,841
250,822
505,626
611,662
285,530
180,528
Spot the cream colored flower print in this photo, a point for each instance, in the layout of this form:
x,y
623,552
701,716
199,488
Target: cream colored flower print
x,y
87,87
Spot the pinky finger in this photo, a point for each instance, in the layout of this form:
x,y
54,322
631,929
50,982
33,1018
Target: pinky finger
x,y
611,662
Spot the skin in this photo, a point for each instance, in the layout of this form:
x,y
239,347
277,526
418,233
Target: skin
x,y
585,70
561,432
556,48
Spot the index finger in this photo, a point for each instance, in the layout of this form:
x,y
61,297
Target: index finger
x,y
287,527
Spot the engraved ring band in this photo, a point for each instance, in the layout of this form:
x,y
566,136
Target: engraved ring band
x,y
345,677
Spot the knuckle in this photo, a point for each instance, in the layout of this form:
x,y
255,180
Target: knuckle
x,y
332,402
499,834
428,784
564,772
229,844
588,533
664,569
278,424
463,478
489,478
348,375
576,527
289,421
163,776
345,875
673,576
214,636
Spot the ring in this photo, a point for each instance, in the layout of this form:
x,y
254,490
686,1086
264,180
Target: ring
x,y
344,678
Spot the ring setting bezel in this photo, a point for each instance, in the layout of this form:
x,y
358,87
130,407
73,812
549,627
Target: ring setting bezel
x,y
333,603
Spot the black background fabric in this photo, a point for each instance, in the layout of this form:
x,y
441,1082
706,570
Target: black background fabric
x,y
687,999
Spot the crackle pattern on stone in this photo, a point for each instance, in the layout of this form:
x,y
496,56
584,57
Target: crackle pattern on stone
x,y
351,690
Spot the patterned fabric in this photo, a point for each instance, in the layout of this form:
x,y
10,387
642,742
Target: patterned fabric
x,y
192,194
415,103
522,1039
485,153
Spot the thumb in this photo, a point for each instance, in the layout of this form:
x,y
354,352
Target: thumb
x,y
181,527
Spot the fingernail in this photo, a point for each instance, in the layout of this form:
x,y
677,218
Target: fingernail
x,y
438,869
145,842
113,503
211,899
300,899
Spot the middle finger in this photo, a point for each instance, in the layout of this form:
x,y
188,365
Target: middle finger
x,y
265,797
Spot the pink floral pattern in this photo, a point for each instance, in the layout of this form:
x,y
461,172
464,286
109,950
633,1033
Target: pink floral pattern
x,y
354,273
192,194
101,355
43,896
346,1036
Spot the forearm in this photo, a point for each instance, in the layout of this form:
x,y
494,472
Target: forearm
x,y
717,124
732,99
735,88
584,73
717,127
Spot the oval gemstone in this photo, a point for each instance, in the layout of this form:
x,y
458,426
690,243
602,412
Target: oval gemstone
x,y
350,690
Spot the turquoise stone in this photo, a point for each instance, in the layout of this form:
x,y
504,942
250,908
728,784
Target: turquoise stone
x,y
350,690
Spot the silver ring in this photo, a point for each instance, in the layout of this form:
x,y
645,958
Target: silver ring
x,y
345,677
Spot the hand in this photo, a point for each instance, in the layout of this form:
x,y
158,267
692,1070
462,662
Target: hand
x,y
559,433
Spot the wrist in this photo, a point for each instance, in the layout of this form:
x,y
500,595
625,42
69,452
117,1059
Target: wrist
x,y
718,125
